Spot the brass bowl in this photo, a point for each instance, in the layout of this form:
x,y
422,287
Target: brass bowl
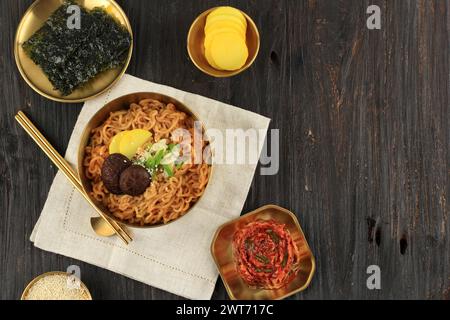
x,y
33,19
52,273
222,252
122,103
196,48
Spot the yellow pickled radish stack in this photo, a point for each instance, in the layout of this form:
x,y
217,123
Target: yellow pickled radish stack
x,y
225,39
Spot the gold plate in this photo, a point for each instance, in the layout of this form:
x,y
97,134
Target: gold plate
x,y
222,252
52,273
33,19
196,48
123,103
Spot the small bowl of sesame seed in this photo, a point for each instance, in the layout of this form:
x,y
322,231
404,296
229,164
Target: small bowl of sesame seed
x,y
56,285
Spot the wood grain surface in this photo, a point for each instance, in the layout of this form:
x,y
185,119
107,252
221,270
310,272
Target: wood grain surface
x,y
364,126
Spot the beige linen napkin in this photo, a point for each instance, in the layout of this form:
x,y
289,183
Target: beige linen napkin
x,y
176,257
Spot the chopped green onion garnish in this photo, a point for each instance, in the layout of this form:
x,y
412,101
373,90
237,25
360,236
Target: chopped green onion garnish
x,y
179,165
154,161
168,170
159,156
149,163
170,147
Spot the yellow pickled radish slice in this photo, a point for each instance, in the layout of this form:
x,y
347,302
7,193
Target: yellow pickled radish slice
x,y
229,51
224,28
132,140
210,59
228,11
114,145
227,25
223,21
210,36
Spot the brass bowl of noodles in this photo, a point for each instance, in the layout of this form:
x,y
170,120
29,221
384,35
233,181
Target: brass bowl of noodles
x,y
167,198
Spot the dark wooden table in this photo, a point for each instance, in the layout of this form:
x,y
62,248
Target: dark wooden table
x,y
365,135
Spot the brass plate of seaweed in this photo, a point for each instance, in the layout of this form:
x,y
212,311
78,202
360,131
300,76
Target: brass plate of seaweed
x,y
33,19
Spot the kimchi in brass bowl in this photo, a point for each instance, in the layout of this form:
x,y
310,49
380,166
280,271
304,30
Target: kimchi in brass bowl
x,y
122,104
223,252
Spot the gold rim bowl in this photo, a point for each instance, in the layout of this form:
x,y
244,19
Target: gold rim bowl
x,y
123,103
33,19
196,49
52,273
222,252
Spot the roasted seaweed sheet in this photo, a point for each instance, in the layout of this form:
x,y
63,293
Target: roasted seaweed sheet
x,y
71,57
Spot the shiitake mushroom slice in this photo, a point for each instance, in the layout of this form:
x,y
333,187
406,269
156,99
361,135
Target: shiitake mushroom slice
x,y
134,180
112,168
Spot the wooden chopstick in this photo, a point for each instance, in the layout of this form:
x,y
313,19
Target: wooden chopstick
x,y
64,166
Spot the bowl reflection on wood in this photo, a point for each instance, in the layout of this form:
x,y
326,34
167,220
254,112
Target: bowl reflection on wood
x,y
222,252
